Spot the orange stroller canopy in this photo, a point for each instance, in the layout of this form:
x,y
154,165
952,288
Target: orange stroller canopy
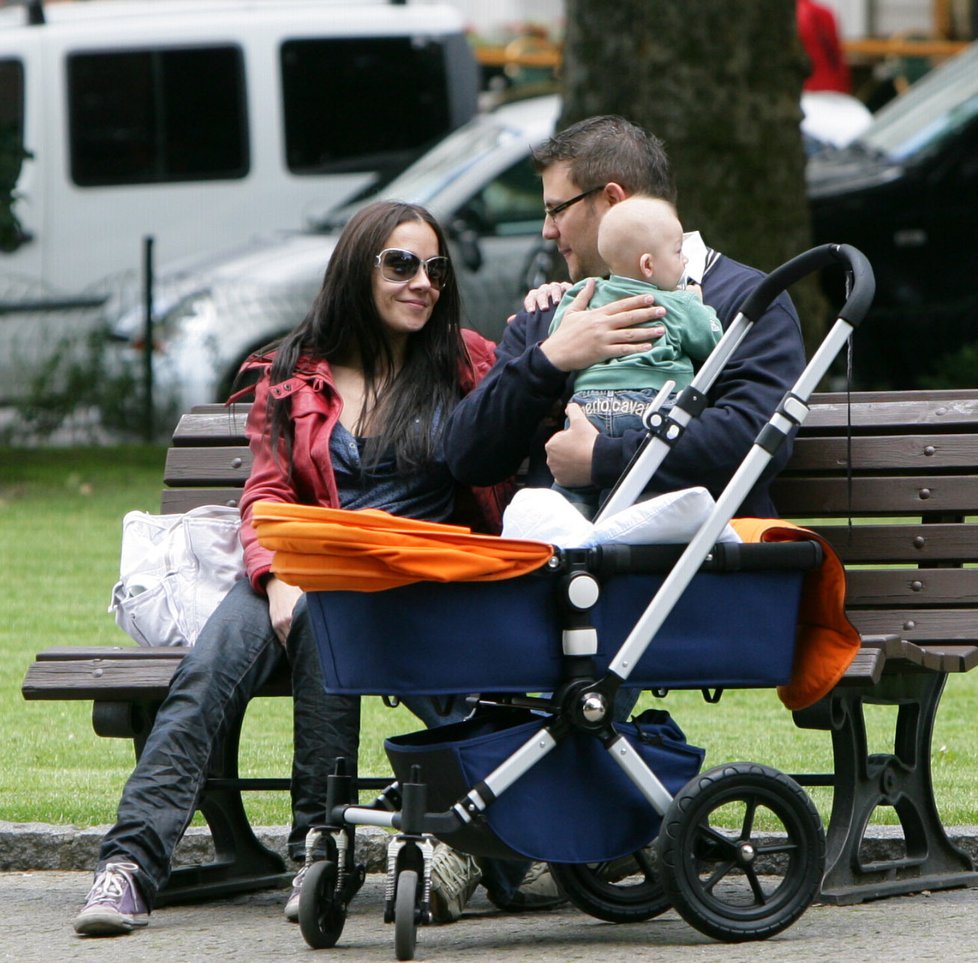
x,y
327,549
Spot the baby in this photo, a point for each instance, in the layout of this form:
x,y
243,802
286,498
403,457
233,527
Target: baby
x,y
640,239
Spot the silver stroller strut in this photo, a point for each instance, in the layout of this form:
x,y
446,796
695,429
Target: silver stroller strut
x,y
666,430
791,413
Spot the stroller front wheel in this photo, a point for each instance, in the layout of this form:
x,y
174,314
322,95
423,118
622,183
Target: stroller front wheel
x,y
755,879
625,890
322,913
406,914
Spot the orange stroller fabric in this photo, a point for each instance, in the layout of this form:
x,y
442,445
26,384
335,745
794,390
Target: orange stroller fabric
x,y
326,549
827,641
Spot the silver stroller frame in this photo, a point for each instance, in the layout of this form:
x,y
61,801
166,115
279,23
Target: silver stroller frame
x,y
673,864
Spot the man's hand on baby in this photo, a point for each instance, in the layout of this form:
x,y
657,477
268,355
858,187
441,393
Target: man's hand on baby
x,y
586,336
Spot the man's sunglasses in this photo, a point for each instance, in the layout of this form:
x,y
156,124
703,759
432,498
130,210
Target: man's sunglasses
x,y
397,265
557,209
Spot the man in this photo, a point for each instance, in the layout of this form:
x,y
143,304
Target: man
x,y
517,409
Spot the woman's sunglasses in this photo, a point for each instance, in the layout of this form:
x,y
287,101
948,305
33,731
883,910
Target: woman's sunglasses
x,y
397,265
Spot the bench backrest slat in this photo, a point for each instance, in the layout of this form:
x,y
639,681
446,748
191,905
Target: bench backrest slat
x,y
929,453
912,495
905,495
918,544
217,466
899,412
912,587
175,501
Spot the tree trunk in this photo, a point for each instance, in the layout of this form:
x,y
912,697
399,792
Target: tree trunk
x,y
720,83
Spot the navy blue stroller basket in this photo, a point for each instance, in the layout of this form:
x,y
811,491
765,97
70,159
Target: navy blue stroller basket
x,y
505,637
468,637
541,770
578,773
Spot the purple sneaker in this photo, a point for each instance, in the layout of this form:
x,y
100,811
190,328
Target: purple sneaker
x,y
114,904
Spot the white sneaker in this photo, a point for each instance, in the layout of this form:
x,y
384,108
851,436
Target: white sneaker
x,y
114,905
454,877
292,905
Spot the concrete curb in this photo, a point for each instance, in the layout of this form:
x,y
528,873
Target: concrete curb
x,y
39,846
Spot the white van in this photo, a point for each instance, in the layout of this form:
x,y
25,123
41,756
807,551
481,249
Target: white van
x,y
196,123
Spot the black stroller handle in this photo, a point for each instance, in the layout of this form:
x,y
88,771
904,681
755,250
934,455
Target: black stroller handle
x,y
781,278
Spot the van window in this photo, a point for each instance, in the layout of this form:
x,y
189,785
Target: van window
x,y
12,153
157,115
350,102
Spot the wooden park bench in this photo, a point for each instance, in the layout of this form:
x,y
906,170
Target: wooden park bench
x,y
908,478
913,491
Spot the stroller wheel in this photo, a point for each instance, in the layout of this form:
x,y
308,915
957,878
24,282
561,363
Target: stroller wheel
x,y
321,913
625,890
405,914
748,882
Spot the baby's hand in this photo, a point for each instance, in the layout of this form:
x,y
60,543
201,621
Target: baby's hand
x,y
694,287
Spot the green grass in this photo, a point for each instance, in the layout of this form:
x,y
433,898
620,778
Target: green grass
x,y
60,520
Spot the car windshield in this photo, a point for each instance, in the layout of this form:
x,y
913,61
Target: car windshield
x,y
939,104
439,167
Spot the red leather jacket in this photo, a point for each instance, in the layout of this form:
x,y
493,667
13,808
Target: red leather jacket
x,y
315,409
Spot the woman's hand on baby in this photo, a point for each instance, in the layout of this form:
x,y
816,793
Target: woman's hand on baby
x,y
541,298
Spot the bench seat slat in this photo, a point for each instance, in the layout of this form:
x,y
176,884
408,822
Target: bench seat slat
x,y
105,679
956,658
111,680
63,653
865,669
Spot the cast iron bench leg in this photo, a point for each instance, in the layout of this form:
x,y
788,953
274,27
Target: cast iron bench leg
x,y
901,780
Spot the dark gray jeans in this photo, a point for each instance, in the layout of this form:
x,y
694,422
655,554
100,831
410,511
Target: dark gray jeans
x,y
236,653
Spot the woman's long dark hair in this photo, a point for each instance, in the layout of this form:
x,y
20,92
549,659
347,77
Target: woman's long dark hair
x,y
343,325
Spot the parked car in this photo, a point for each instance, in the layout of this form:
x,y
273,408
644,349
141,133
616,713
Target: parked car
x,y
478,181
905,192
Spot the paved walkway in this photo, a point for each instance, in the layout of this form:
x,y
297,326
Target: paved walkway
x,y
36,909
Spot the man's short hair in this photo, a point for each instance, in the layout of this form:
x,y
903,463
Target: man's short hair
x,y
609,148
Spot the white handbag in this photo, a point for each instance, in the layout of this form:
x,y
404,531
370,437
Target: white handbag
x,y
174,571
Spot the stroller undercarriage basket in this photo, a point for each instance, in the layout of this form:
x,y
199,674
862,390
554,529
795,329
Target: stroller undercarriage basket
x,y
578,772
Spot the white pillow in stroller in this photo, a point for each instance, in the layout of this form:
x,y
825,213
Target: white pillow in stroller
x,y
545,515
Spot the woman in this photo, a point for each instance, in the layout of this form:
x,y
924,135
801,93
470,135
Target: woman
x,y
348,413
